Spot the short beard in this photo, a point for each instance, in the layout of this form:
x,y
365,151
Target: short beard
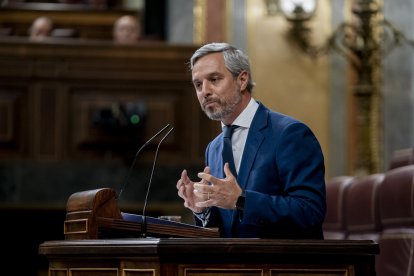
x,y
226,108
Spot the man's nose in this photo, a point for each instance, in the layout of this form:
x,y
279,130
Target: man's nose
x,y
205,88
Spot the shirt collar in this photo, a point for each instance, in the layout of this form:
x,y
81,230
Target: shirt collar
x,y
246,117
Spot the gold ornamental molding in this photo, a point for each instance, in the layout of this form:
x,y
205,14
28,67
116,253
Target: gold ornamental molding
x,y
363,40
200,16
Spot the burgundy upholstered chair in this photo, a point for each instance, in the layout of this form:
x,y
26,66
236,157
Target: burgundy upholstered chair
x,y
362,208
334,224
402,157
396,197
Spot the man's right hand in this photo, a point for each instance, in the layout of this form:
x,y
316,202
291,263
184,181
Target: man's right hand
x,y
185,187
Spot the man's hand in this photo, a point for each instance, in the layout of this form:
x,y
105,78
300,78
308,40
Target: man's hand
x,y
185,189
222,193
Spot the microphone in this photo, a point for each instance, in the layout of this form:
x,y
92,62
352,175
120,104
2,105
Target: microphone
x,y
136,155
144,220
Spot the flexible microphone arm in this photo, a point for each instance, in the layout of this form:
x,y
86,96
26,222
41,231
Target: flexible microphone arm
x,y
144,220
136,155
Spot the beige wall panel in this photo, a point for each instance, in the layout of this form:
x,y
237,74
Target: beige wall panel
x,y
287,80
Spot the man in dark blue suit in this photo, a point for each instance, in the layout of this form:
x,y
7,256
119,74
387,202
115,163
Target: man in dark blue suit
x,y
278,188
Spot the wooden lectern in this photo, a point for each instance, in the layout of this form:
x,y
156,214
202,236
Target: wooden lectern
x,y
186,249
95,214
210,256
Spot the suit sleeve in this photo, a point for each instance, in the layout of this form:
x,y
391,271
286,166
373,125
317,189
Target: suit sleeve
x,y
288,184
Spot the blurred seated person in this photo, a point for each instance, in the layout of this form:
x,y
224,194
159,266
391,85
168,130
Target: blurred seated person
x,y
126,30
41,28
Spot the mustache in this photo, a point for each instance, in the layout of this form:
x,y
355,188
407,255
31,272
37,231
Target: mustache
x,y
209,101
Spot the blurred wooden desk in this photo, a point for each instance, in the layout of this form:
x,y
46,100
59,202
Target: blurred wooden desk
x,y
87,21
205,256
51,91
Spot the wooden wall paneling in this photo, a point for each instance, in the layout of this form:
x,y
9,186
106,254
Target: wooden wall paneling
x,y
69,82
123,68
14,120
86,102
47,121
7,116
14,66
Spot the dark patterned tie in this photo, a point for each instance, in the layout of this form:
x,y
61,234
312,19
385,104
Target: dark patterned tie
x,y
227,148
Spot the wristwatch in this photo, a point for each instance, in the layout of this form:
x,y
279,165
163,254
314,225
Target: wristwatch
x,y
240,201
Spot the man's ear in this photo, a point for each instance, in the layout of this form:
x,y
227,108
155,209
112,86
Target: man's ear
x,y
243,80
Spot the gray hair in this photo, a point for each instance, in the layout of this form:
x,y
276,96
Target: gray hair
x,y
235,60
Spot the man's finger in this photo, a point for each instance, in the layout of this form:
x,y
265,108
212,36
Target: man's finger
x,y
207,177
201,188
227,170
184,176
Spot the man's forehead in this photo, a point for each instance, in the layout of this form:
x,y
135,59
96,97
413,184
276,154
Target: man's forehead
x,y
209,64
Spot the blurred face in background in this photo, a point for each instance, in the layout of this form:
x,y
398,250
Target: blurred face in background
x,y
126,30
42,27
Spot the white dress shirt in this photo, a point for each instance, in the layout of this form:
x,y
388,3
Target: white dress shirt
x,y
239,137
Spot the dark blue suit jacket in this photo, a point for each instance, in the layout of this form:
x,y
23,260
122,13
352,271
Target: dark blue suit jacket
x,y
282,172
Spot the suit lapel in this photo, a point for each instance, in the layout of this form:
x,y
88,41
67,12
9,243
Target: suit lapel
x,y
253,142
